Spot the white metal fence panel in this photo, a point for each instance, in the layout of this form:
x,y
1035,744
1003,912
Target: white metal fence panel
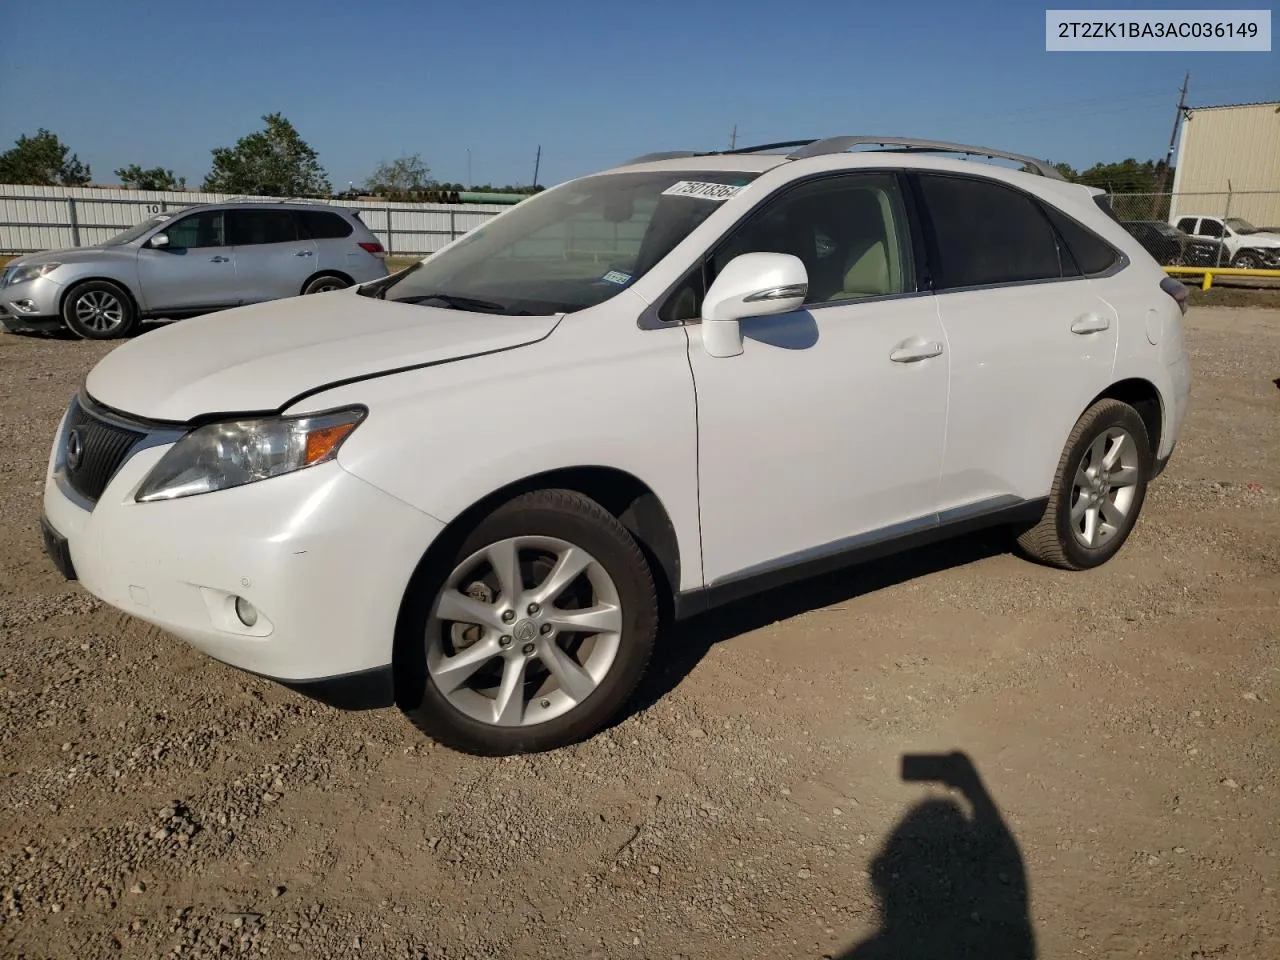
x,y
55,218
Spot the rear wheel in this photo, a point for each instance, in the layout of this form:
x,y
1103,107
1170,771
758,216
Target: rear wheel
x,y
324,284
537,633
1098,491
99,310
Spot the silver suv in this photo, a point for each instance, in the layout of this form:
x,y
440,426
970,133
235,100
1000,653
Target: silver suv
x,y
203,258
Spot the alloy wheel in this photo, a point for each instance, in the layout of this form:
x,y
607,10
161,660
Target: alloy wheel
x,y
99,311
1105,488
523,631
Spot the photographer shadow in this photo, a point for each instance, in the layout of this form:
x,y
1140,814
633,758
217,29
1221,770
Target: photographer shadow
x,y
951,884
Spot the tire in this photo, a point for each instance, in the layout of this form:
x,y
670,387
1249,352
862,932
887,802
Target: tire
x,y
1061,541
324,284
460,703
1246,260
99,310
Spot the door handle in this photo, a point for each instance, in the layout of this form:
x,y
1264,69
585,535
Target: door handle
x,y
219,259
910,351
1090,323
303,253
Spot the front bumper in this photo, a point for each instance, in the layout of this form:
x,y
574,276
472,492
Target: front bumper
x,y
33,305
323,557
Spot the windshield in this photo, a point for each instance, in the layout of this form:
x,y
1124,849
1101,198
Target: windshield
x,y
1241,226
133,233
567,249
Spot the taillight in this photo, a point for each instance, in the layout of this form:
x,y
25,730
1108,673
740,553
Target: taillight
x,y
1179,291
374,248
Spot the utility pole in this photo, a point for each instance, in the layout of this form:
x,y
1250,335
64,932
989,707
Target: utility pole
x,y
733,138
1173,137
537,162
470,183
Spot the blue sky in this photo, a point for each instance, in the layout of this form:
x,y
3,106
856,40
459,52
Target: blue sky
x,y
162,83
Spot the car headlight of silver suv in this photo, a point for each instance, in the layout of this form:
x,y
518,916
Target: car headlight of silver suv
x,y
231,453
27,272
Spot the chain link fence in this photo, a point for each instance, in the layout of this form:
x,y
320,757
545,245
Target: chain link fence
x,y
1231,229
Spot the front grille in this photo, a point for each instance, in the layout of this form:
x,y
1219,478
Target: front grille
x,y
93,450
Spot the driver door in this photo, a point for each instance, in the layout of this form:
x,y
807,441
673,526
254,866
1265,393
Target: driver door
x,y
196,271
826,433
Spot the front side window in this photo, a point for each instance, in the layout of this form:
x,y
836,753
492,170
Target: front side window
x,y
250,227
850,231
204,229
1209,228
569,248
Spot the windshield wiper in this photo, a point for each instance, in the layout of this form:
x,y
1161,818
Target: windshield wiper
x,y
454,302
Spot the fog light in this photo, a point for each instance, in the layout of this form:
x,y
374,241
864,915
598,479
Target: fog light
x,y
246,611
26,306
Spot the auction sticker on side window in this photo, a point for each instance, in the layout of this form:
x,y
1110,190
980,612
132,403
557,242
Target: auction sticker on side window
x,y
703,191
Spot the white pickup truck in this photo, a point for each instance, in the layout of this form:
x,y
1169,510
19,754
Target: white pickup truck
x,y
1247,246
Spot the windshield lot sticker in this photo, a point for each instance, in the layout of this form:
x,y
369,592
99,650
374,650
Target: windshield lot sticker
x,y
618,277
703,191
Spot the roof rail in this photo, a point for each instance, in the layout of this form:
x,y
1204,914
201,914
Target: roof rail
x,y
668,155
820,148
248,199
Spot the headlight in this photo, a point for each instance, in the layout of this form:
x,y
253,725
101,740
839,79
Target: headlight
x,y
28,272
235,452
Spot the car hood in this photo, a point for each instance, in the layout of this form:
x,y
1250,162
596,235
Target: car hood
x,y
74,255
1260,239
259,358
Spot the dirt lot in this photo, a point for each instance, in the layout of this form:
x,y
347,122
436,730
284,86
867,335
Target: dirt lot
x,y
1126,723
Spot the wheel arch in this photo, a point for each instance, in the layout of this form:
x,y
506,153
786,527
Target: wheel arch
x,y
1143,396
622,494
114,281
326,273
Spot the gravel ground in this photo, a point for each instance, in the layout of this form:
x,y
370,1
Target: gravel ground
x,y
1124,723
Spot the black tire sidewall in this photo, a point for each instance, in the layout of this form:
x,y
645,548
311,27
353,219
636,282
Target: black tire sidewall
x,y
73,323
1113,415
613,547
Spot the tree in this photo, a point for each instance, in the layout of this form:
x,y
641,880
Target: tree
x,y
157,178
42,161
272,162
399,176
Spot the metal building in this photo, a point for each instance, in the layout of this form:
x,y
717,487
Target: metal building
x,y
1228,163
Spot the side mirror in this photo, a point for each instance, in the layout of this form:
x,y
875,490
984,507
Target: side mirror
x,y
159,241
750,285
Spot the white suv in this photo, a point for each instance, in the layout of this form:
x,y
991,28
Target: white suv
x,y
475,488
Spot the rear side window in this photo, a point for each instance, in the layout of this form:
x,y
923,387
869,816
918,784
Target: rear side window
x,y
1104,204
321,225
1187,224
1091,253
249,227
988,233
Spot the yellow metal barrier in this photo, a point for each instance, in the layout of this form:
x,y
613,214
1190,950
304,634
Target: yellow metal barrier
x,y
1211,272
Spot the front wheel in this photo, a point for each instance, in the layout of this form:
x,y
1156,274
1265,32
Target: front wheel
x,y
1247,260
1097,492
537,633
99,310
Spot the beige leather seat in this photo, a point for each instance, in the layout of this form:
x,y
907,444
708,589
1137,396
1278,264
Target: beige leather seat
x,y
866,273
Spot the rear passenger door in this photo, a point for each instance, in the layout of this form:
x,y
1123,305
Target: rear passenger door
x,y
273,258
1031,342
